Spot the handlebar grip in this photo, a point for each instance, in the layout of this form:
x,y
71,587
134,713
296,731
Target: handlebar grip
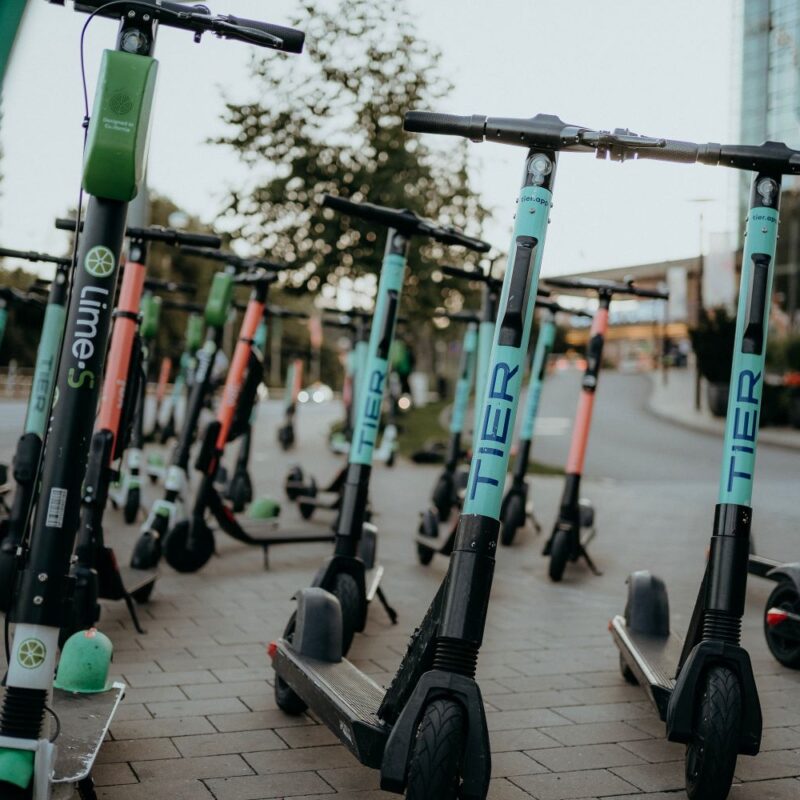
x,y
292,39
199,240
64,224
452,236
673,150
472,127
656,294
467,274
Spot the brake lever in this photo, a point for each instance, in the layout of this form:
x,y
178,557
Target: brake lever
x,y
222,25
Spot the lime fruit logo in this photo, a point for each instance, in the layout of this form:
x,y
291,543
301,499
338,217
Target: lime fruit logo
x,y
99,261
31,654
120,103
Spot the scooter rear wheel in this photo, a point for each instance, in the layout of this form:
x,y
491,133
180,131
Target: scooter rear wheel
x,y
711,755
435,769
180,556
132,504
559,555
293,477
786,650
307,509
513,519
285,697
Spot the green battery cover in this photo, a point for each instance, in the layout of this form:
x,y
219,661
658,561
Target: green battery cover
x,y
219,300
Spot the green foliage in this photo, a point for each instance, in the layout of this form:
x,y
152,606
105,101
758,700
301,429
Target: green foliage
x,y
713,342
24,321
332,122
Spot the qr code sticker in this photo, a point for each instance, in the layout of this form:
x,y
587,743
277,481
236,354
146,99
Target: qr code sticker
x,y
56,508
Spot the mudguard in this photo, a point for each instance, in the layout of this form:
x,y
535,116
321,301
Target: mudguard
x,y
682,707
787,572
350,566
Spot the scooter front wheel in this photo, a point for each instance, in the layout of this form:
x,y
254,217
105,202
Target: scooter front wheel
x,y
185,554
786,649
147,551
513,519
711,755
435,769
132,503
285,697
559,554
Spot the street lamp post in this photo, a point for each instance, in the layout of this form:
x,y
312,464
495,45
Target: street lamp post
x,y
700,305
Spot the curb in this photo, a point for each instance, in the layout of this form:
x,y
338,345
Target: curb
x,y
769,437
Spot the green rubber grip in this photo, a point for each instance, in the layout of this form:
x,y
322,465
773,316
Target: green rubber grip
x,y
150,309
219,300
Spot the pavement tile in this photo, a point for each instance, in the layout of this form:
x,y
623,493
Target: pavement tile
x,y
593,756
213,744
150,790
196,708
255,720
148,728
307,735
199,768
662,777
307,758
520,739
136,750
532,718
351,778
113,774
594,733
514,763
656,750
772,764
573,785
264,787
766,790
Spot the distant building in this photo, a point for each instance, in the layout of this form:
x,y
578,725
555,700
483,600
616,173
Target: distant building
x,y
770,111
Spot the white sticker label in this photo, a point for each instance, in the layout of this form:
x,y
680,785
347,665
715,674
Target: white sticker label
x,y
56,508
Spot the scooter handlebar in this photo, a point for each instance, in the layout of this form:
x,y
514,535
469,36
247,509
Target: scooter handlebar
x,y
404,221
31,255
606,287
156,233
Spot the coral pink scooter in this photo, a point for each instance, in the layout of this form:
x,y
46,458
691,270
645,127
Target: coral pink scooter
x,y
574,528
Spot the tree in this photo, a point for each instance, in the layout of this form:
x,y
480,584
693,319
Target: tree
x,y
331,121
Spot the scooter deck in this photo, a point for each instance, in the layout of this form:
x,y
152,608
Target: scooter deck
x,y
761,567
85,719
343,697
652,659
135,579
262,530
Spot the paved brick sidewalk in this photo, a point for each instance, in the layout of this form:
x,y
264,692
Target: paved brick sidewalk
x,y
199,720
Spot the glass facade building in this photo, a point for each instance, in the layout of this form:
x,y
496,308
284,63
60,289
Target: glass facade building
x,y
770,110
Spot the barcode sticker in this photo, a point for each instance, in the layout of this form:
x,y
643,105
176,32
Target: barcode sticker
x,y
56,508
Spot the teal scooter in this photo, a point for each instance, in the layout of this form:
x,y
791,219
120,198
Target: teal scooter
x,y
29,446
516,511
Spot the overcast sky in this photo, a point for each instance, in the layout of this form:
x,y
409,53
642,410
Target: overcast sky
x,y
664,69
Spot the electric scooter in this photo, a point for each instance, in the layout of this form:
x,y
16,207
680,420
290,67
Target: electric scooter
x,y
29,447
427,732
172,411
80,698
95,569
516,511
342,578
574,528
190,544
703,687
169,511
128,492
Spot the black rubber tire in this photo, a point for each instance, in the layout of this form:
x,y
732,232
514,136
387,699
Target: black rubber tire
x,y
442,496
132,504
345,589
142,596
434,772
786,651
307,509
559,555
240,491
711,756
285,698
294,475
286,437
626,672
177,552
424,554
147,551
513,518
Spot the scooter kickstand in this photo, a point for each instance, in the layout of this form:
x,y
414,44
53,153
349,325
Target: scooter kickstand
x,y
131,606
85,789
265,551
592,566
392,614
